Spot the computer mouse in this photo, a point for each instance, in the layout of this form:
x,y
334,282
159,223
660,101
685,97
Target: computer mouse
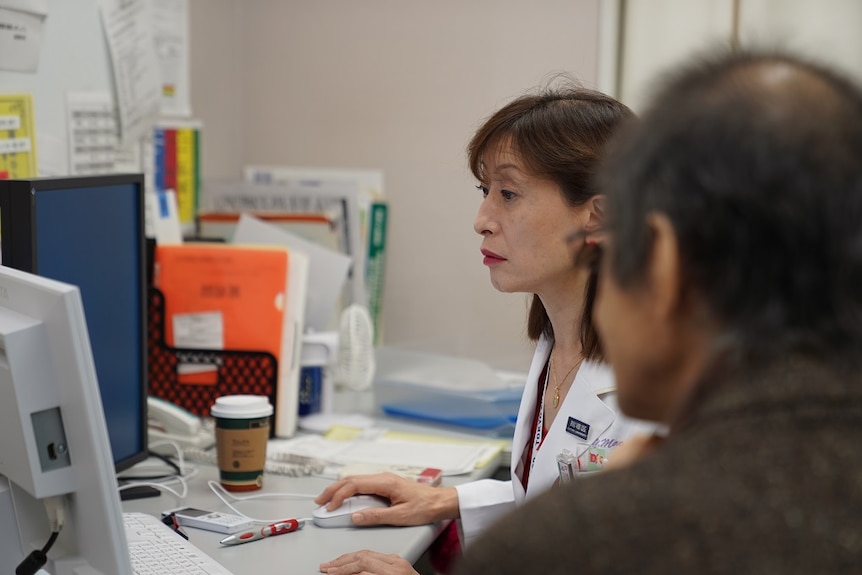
x,y
341,517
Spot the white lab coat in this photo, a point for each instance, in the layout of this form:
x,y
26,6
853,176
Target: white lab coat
x,y
590,400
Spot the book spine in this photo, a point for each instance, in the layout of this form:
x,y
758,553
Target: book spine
x,y
170,161
196,171
159,159
310,390
185,168
378,215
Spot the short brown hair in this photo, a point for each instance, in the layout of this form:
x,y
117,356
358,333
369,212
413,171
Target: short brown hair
x,y
559,134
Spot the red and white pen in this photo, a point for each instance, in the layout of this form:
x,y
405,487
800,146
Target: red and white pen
x,y
286,526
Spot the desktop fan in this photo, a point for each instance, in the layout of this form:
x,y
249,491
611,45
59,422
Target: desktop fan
x,y
355,361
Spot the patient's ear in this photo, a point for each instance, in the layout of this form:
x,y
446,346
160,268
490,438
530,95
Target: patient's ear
x,y
664,274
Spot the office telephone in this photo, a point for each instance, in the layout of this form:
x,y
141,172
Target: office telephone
x,y
170,422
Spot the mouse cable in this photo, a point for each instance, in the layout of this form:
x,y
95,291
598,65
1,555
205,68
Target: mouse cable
x,y
227,496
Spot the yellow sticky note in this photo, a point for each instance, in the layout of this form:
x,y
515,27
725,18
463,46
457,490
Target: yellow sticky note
x,y
17,137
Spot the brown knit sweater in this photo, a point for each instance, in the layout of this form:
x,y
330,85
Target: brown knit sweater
x,y
767,478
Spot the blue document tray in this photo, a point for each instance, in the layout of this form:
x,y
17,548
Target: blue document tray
x,y
442,389
496,410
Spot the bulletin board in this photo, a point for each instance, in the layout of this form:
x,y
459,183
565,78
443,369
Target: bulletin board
x,y
74,58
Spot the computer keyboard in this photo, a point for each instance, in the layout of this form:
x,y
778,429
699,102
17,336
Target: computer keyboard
x,y
156,549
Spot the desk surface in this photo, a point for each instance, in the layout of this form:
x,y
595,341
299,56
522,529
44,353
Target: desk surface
x,y
300,552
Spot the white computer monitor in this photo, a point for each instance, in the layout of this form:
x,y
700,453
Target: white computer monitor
x,y
55,441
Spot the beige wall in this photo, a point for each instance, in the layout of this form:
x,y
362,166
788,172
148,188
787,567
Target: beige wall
x,y
396,85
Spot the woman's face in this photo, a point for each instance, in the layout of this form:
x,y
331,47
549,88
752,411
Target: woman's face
x,y
523,221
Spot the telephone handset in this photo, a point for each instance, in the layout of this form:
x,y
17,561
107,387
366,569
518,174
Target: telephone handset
x,y
170,422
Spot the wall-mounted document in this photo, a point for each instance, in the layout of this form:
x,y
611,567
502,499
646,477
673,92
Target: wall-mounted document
x,y
129,31
21,28
92,132
17,137
171,35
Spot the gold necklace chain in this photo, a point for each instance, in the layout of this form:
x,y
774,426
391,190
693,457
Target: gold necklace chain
x,y
565,377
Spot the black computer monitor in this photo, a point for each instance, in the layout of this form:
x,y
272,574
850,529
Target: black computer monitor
x,y
89,231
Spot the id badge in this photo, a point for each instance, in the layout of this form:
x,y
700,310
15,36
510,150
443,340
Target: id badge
x,y
591,459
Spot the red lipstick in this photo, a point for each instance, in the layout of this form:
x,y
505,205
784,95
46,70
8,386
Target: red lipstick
x,y
491,258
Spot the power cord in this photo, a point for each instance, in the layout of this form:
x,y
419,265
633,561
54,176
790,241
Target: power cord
x,y
164,459
55,508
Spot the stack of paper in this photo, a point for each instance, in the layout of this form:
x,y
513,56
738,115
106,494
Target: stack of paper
x,y
342,447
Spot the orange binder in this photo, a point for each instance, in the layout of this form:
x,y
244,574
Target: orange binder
x,y
229,297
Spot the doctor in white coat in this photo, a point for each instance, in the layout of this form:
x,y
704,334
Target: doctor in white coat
x,y
588,417
534,160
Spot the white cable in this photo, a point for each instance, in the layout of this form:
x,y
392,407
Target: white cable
x,y
164,486
158,464
224,494
55,507
177,448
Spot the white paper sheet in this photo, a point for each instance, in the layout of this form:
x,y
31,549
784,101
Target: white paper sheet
x,y
92,132
52,156
449,457
129,32
36,7
20,39
163,221
171,35
327,270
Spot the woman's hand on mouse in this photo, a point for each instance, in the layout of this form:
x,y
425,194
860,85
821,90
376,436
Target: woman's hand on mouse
x,y
368,562
411,503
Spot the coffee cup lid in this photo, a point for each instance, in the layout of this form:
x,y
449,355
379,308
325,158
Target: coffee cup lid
x,y
241,406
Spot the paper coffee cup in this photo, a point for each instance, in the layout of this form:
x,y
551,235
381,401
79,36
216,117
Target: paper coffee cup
x,y
242,430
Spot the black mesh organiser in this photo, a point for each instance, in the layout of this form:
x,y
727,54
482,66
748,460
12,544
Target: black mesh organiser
x,y
246,372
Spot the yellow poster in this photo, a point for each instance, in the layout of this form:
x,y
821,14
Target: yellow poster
x,y
17,137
